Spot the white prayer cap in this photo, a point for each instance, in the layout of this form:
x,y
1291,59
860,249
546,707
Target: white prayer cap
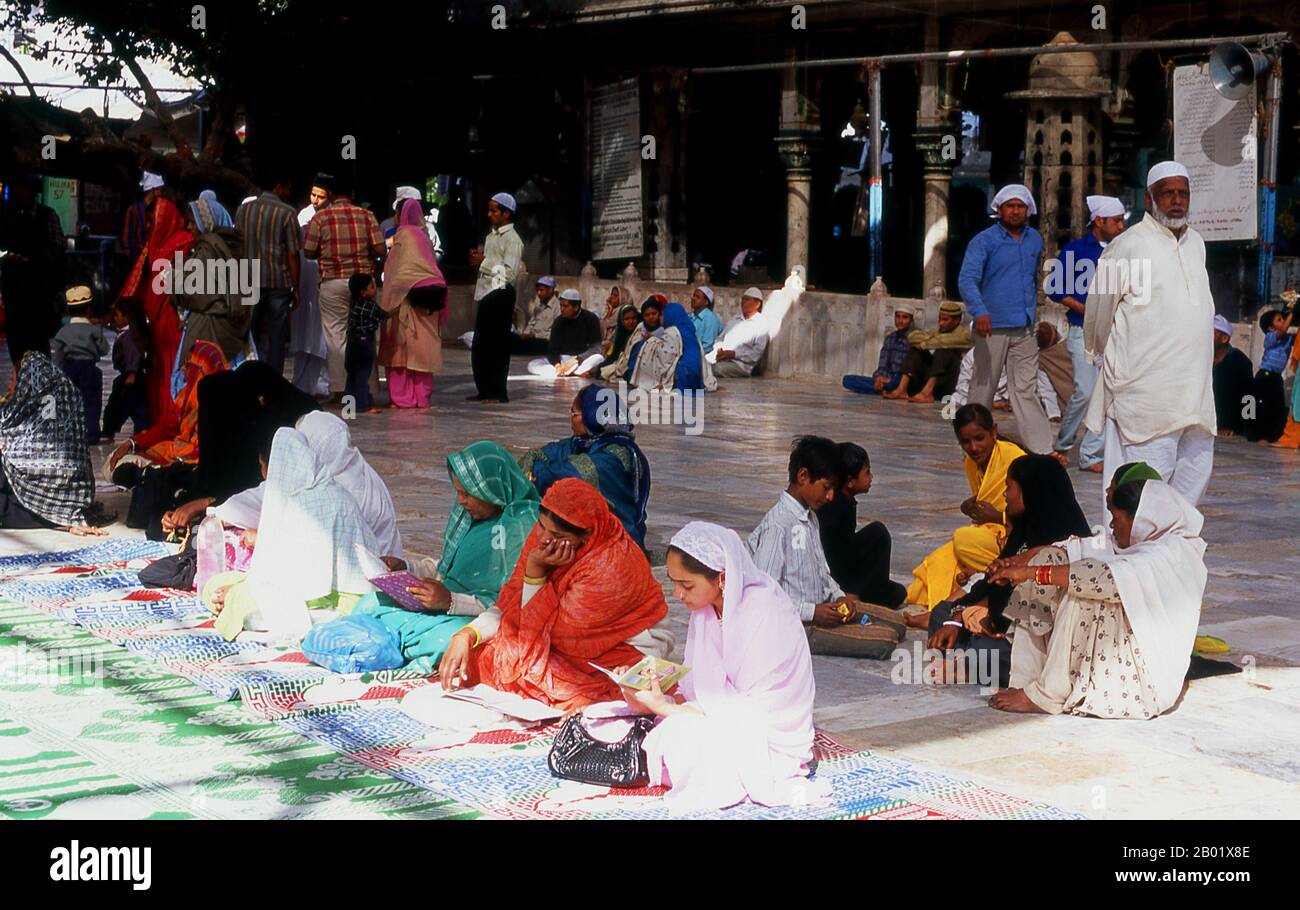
x,y
1222,325
707,292
753,292
905,308
505,200
1015,191
570,294
405,192
150,181
547,281
1104,207
1166,169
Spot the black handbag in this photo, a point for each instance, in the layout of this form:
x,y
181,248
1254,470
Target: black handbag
x,y
577,755
176,571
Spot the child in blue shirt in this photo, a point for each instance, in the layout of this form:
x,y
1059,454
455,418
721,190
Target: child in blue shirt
x,y
77,347
1270,400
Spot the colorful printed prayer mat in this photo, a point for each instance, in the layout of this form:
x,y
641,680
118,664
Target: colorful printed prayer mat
x,y
150,731
89,731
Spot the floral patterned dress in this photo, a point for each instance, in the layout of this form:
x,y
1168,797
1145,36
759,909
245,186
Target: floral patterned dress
x,y
1107,675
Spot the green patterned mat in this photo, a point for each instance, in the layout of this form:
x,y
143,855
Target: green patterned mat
x,y
88,731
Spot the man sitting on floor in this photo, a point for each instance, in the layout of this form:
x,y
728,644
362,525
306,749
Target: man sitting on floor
x,y
737,351
787,542
858,557
893,356
934,359
575,340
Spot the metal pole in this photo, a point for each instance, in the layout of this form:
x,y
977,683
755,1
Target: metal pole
x,y
1266,39
1268,185
875,188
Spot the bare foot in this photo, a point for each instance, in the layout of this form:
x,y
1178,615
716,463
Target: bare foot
x,y
1093,468
921,398
917,620
894,395
1062,457
1001,406
1014,701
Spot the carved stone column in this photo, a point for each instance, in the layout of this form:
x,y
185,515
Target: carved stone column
x,y
795,149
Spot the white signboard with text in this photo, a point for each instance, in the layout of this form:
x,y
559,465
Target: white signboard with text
x,y
1216,140
617,220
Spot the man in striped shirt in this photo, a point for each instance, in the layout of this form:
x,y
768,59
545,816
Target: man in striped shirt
x,y
270,228
345,239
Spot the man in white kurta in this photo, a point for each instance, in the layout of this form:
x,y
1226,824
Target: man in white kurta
x,y
737,350
1149,319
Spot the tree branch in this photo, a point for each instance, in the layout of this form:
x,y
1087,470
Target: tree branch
x,y
31,89
156,105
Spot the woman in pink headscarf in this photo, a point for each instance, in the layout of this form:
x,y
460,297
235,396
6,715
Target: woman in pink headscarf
x,y
740,725
415,299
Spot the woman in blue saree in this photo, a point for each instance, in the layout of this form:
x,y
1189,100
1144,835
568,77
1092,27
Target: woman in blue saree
x,y
601,452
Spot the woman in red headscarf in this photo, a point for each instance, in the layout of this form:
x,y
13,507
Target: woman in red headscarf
x,y
167,237
581,593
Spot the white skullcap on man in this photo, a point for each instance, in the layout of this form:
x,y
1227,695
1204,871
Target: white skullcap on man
x,y
571,294
1104,207
753,292
403,193
547,281
1166,169
1015,191
707,292
505,200
1221,324
150,181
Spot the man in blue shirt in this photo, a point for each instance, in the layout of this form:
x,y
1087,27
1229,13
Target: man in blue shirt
x,y
1067,283
707,324
998,282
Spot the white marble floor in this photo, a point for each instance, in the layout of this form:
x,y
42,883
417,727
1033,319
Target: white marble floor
x,y
1231,748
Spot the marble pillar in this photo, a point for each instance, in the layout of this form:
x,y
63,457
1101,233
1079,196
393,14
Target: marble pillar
x,y
796,154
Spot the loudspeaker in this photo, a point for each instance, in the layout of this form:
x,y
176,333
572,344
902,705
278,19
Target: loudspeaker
x,y
1233,70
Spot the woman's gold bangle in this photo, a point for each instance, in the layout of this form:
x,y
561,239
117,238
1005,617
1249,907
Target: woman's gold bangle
x,y
535,581
477,637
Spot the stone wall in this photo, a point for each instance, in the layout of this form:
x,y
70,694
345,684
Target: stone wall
x,y
818,335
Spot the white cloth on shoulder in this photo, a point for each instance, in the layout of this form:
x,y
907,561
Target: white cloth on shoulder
x,y
1161,579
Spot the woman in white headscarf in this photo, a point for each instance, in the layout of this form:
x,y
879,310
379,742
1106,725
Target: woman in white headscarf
x,y
740,724
329,438
1106,628
314,555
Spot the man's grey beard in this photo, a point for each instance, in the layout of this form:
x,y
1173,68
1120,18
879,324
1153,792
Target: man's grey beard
x,y
1174,224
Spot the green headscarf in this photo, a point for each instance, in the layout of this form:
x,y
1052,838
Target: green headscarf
x,y
477,558
1139,471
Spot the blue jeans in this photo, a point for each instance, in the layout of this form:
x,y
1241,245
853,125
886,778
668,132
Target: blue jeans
x,y
358,361
271,326
1085,377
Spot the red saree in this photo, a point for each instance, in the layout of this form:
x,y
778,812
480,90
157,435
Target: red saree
x,y
586,611
167,237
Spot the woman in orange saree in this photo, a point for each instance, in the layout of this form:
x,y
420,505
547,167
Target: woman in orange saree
x,y
581,593
167,237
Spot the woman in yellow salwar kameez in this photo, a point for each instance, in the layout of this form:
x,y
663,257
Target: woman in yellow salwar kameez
x,y
973,547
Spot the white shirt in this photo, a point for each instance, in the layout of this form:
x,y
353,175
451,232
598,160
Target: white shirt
x,y
747,337
1152,327
787,544
503,255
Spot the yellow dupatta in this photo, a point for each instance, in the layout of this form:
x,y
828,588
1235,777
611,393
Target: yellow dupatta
x,y
973,547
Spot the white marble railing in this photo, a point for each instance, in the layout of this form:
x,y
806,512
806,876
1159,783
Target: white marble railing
x,y
817,334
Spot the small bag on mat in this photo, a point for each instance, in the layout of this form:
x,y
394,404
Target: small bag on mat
x,y
353,644
875,641
176,571
577,755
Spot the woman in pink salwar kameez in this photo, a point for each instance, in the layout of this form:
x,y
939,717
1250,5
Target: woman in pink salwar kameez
x,y
410,343
740,725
